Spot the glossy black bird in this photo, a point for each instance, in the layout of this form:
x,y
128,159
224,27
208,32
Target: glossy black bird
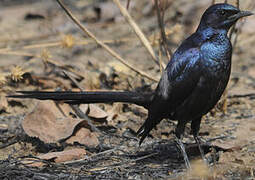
x,y
191,85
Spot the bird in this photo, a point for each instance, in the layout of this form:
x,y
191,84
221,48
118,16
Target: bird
x,y
191,85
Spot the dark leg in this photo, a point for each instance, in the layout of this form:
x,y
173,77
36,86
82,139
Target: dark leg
x,y
195,126
179,133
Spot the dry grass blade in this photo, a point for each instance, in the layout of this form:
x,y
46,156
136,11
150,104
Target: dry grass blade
x,y
99,42
137,30
73,80
160,15
60,43
128,2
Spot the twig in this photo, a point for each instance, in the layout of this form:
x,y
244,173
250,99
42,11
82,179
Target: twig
x,y
9,143
120,148
242,95
82,115
73,80
99,42
233,29
59,43
128,2
122,164
237,3
143,157
160,16
160,59
16,53
218,137
137,30
76,108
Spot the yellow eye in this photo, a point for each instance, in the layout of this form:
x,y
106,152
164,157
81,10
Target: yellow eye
x,y
222,12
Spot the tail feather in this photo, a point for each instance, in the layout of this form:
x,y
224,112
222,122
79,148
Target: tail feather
x,y
96,97
88,97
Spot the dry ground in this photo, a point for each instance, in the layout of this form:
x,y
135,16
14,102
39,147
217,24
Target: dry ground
x,y
38,37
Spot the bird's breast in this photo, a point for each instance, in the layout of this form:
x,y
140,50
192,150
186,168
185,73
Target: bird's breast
x,y
216,56
216,51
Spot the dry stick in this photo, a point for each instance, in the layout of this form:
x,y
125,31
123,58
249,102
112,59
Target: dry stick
x,y
107,48
126,163
137,30
25,38
73,80
162,30
16,53
59,43
77,109
82,115
161,68
9,143
128,2
237,3
233,29
92,156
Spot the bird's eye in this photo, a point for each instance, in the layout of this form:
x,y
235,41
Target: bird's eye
x,y
222,13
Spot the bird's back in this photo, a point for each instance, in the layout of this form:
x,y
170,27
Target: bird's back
x,y
194,78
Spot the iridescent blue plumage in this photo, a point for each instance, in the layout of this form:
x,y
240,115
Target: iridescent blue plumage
x,y
197,75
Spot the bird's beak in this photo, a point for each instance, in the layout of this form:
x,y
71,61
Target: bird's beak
x,y
240,14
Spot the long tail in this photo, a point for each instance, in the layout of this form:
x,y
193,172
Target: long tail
x,y
88,97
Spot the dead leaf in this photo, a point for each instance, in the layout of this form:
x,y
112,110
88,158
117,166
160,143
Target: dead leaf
x,y
84,136
63,156
96,112
48,123
93,111
114,111
33,162
58,157
84,108
226,145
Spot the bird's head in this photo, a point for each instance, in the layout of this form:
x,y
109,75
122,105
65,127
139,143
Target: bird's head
x,y
222,16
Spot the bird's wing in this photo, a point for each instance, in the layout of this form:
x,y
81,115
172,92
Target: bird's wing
x,y
180,78
177,83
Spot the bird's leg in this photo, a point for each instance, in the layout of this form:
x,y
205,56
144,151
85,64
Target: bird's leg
x,y
195,126
179,132
198,141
